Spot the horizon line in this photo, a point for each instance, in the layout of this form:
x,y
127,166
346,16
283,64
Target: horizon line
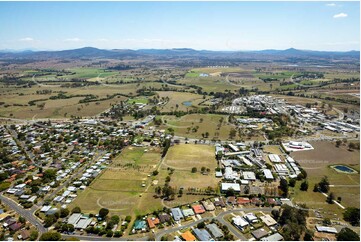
x,y
174,48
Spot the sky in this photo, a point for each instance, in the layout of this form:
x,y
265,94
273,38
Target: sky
x,y
331,26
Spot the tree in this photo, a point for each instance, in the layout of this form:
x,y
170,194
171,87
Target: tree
x,y
50,236
230,192
330,198
324,185
154,173
128,218
316,188
34,235
103,212
76,210
201,225
275,213
194,169
292,182
352,215
338,143
351,146
232,133
304,186
284,187
308,235
347,234
64,212
49,175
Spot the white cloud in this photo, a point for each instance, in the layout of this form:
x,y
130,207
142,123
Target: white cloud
x,y
102,40
73,40
27,39
340,15
331,5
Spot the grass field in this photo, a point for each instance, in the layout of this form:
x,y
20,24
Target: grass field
x,y
186,156
209,124
119,187
317,164
179,98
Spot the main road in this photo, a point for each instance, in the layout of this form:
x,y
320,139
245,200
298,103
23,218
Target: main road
x,y
27,214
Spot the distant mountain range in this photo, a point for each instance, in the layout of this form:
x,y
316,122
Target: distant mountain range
x,y
91,52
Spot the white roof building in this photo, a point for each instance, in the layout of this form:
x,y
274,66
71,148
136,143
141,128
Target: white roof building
x,y
235,186
239,222
249,175
268,174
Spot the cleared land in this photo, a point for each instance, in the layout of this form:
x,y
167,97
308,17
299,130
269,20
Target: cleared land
x,y
209,124
317,164
181,99
182,158
119,188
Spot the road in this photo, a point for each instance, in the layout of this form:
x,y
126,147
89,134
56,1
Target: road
x,y
70,179
220,218
27,214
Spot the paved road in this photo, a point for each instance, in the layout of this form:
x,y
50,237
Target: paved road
x,y
70,179
27,214
220,218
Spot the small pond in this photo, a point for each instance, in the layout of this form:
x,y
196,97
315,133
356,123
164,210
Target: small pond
x,y
344,169
187,103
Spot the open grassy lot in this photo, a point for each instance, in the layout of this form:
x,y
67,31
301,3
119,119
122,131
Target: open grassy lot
x,y
181,99
120,187
317,164
187,179
209,124
186,156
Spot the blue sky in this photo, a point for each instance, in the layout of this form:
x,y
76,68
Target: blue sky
x,y
198,25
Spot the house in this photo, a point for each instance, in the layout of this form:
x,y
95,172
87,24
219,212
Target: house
x,y
273,237
239,222
231,200
188,212
165,218
25,234
202,234
268,220
215,231
226,186
243,201
219,202
259,233
15,226
45,209
208,205
4,216
256,201
188,236
152,222
251,218
176,213
326,229
198,209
